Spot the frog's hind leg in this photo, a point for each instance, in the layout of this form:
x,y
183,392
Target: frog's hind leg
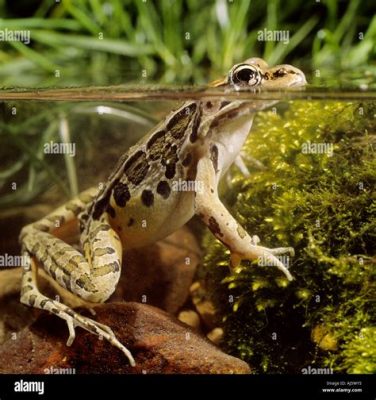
x,y
92,276
30,295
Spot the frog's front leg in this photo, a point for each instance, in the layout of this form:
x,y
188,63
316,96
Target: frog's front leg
x,y
92,275
224,226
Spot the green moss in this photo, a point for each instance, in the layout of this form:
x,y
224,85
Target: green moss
x,y
324,206
359,354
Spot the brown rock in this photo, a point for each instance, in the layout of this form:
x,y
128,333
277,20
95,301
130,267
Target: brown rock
x,y
159,343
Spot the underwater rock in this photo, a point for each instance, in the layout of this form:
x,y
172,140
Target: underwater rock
x,y
204,307
216,335
162,273
158,341
191,318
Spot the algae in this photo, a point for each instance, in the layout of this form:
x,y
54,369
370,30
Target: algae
x,y
316,193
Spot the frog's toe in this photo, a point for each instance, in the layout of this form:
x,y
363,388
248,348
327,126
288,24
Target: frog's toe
x,y
282,250
71,329
255,240
265,257
105,328
269,259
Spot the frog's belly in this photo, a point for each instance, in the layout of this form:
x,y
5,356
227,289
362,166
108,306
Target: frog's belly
x,y
139,225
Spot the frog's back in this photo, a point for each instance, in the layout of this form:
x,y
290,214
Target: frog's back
x,y
145,189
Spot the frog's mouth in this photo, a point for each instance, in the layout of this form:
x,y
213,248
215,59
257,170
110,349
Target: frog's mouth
x,y
230,110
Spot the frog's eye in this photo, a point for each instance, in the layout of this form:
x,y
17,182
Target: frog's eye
x,y
245,75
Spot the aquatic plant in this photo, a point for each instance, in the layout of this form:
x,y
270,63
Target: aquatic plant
x,y
316,193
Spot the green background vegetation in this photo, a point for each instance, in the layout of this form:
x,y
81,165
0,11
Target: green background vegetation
x,y
93,42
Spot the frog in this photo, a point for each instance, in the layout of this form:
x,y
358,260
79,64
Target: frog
x,y
142,201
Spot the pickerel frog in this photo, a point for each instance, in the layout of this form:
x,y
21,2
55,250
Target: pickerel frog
x,y
141,203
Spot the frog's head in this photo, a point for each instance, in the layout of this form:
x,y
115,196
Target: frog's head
x,y
229,117
255,73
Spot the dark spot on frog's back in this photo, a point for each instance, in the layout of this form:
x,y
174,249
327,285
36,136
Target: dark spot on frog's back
x,y
100,205
196,123
177,125
121,194
169,161
136,168
147,198
170,170
164,189
156,144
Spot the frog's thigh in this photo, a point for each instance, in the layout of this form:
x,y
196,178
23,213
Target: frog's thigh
x,y
92,276
224,226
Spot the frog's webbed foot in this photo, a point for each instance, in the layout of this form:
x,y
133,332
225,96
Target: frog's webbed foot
x,y
269,255
264,257
282,250
73,320
30,295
